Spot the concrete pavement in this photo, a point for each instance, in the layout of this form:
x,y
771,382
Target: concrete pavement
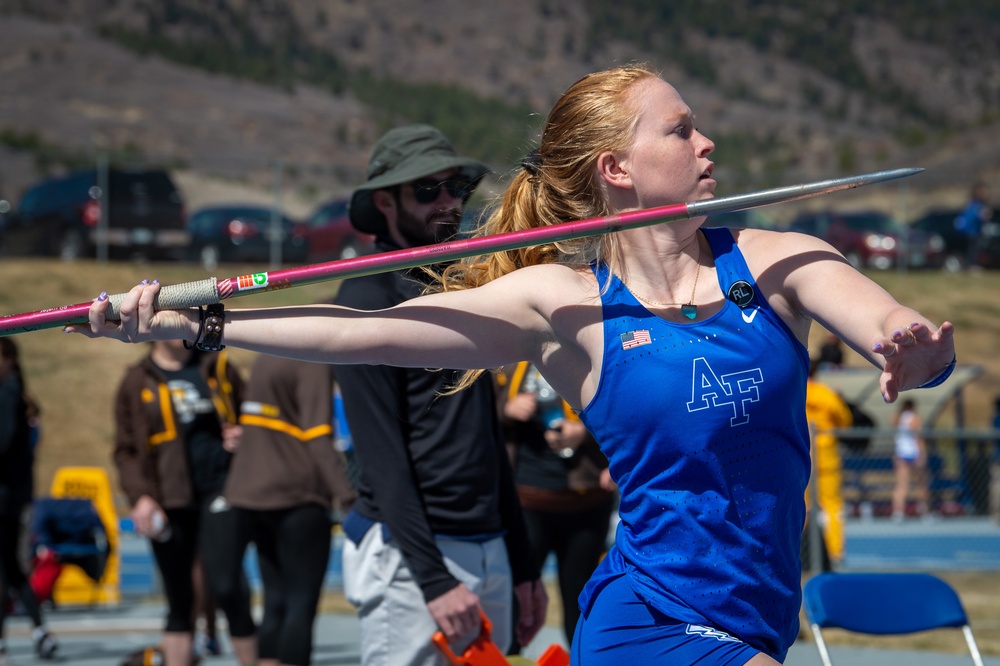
x,y
104,636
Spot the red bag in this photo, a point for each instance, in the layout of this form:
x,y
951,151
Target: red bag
x,y
45,570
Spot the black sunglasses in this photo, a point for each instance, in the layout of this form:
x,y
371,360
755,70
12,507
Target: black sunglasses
x,y
427,190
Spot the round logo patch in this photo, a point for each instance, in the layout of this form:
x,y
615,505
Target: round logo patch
x,y
741,293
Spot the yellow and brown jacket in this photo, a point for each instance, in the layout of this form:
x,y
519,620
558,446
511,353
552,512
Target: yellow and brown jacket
x,y
286,456
150,453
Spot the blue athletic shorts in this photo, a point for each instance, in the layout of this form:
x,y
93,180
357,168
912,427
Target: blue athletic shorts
x,y
623,629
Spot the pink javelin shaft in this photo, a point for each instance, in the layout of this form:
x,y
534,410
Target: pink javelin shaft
x,y
212,290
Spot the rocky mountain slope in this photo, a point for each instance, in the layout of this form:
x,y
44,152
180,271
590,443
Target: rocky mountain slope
x,y
235,93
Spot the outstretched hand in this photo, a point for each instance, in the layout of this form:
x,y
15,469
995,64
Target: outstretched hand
x,y
913,355
140,322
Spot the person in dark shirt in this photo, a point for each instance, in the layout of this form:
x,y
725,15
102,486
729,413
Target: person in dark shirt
x,y
436,496
176,426
284,483
831,353
562,481
17,461
971,219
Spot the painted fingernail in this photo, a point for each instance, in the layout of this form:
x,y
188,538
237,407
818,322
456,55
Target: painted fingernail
x,y
144,282
877,348
156,281
103,296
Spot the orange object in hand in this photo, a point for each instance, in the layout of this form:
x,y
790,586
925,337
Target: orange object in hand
x,y
484,652
481,652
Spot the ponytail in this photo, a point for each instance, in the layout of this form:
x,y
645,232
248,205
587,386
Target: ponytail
x,y
557,183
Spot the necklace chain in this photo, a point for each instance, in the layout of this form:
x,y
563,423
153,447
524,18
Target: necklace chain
x,y
689,309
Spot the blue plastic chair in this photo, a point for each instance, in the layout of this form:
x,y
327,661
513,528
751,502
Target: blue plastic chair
x,y
883,604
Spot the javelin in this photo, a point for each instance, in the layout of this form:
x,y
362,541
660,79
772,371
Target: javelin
x,y
213,290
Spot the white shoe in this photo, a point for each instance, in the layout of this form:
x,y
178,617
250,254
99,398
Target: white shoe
x,y
45,644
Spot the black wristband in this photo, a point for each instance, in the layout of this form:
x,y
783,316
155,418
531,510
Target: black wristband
x,y
201,329
215,321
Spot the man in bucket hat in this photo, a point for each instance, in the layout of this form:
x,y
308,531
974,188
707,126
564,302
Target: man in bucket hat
x,y
415,156
436,532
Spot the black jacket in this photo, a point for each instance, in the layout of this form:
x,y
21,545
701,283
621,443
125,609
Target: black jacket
x,y
16,456
430,464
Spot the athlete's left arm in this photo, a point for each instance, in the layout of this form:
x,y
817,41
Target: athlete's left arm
x,y
807,279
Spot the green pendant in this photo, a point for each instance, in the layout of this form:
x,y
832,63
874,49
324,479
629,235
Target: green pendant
x,y
690,311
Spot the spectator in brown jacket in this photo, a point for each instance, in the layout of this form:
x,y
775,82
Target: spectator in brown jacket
x,y
286,480
175,430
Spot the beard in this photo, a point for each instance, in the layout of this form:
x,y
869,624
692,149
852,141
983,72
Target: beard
x,y
438,227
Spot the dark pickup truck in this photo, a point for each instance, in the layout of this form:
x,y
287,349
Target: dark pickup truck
x,y
62,217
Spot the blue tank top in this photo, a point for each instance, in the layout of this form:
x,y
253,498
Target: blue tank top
x,y
705,430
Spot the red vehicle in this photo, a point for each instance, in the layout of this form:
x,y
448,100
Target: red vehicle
x,y
331,235
872,239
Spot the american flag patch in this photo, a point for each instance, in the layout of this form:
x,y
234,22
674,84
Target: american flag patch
x,y
635,338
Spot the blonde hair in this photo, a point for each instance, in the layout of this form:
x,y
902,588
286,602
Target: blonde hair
x,y
596,114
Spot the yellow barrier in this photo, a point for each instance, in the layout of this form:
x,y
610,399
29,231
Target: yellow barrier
x,y
74,587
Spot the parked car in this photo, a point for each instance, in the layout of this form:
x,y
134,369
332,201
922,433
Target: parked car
x,y
242,233
942,222
331,235
873,239
61,216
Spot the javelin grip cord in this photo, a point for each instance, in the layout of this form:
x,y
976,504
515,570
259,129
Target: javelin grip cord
x,y
173,297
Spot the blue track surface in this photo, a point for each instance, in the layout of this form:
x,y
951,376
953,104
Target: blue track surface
x,y
943,544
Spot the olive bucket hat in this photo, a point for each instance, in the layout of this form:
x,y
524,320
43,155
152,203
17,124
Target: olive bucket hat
x,y
403,155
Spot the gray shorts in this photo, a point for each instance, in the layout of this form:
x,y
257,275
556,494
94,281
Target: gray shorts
x,y
396,627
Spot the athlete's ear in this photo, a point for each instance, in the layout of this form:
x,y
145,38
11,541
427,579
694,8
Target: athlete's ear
x,y
612,170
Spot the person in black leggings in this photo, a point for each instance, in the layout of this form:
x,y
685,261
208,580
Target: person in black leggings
x,y
16,490
214,536
293,550
176,427
286,480
14,583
